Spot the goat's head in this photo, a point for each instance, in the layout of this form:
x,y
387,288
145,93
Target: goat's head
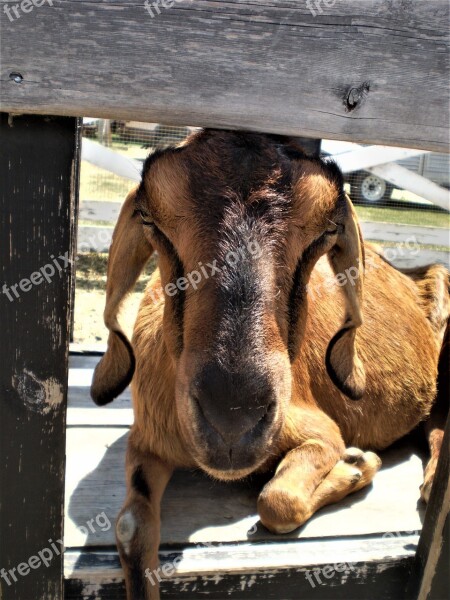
x,y
238,221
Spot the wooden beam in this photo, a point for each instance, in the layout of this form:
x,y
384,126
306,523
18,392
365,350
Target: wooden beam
x,y
342,569
430,570
37,166
361,70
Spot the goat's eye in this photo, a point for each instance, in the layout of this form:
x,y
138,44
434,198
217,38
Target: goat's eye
x,y
333,228
145,218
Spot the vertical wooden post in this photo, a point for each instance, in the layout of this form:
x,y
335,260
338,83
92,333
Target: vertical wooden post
x,y
38,157
430,574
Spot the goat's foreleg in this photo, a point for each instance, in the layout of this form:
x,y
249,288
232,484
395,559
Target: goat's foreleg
x,y
138,524
316,473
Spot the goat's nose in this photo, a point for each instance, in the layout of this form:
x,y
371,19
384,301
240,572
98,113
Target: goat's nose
x,y
233,403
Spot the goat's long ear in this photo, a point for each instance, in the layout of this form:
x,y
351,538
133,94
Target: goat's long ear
x,y
347,259
128,255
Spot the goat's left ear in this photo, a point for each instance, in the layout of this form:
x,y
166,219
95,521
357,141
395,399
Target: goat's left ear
x,y
128,254
347,259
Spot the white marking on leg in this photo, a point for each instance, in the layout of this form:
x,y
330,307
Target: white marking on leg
x,y
125,530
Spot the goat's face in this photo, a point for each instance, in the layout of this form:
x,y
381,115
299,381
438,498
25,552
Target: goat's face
x,y
238,221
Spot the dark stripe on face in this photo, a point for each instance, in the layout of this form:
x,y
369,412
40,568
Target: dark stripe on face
x,y
239,294
298,295
239,289
177,301
139,483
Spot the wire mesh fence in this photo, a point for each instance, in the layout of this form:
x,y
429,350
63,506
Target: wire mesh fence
x,y
130,139
376,199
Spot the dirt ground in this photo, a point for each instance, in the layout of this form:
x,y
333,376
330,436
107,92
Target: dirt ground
x,y
89,329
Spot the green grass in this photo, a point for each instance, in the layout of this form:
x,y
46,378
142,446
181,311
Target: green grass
x,y
421,218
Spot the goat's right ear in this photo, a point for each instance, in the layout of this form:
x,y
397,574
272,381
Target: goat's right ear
x,y
347,258
128,254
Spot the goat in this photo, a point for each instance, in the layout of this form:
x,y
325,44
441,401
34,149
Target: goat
x,y
241,369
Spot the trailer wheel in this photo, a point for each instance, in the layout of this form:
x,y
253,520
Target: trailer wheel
x,y
371,189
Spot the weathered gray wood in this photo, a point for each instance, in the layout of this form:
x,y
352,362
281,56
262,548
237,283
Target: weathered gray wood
x,y
350,569
434,540
360,70
37,156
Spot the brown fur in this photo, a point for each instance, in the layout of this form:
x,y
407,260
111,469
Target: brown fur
x,y
262,332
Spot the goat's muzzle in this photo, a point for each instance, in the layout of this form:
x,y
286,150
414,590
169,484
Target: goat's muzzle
x,y
234,418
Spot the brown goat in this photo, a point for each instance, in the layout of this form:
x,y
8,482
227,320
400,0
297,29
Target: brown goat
x,y
236,365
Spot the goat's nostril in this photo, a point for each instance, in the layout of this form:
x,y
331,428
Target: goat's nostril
x,y
201,412
235,407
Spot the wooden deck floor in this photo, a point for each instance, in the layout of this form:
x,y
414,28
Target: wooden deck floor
x,y
214,523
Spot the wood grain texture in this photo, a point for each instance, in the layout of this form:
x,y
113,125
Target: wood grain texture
x,y
37,157
356,569
430,572
361,70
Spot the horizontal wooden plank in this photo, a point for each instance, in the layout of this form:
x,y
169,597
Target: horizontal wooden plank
x,y
367,71
349,569
197,509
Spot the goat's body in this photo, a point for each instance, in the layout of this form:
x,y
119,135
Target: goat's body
x,y
269,364
401,378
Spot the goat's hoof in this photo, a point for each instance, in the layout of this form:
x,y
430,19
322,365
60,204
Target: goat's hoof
x,y
362,460
425,488
353,456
